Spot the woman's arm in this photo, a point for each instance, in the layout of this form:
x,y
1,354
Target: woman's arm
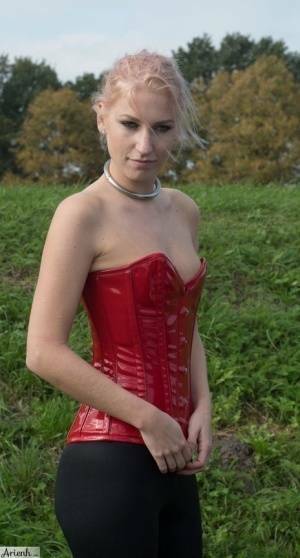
x,y
67,256
199,382
201,396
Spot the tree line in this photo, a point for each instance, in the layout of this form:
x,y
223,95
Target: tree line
x,y
247,94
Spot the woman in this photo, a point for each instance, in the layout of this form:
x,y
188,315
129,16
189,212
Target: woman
x,y
127,249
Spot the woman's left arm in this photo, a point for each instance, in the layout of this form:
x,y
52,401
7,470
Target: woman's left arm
x,y
201,396
199,381
199,426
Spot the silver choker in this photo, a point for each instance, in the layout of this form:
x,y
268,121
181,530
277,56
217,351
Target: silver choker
x,y
156,190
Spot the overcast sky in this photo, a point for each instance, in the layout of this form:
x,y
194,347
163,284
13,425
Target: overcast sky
x,y
75,37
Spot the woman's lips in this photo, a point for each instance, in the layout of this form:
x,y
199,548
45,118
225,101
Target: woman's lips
x,y
142,163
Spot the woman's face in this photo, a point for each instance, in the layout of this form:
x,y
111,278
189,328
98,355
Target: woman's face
x,y
143,132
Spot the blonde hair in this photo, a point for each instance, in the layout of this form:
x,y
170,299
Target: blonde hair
x,y
158,72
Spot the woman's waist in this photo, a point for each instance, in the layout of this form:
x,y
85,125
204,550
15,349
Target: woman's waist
x,y
93,424
167,385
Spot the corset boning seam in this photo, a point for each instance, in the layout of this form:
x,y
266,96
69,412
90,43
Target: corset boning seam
x,y
162,341
138,337
107,417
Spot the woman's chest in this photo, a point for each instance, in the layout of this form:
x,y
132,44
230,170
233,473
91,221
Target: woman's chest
x,y
124,237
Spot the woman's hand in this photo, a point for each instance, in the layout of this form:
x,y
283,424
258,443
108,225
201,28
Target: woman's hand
x,y
166,442
200,439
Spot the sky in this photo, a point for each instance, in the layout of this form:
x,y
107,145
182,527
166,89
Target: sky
x,y
75,37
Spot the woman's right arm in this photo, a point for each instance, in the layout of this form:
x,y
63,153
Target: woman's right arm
x,y
66,260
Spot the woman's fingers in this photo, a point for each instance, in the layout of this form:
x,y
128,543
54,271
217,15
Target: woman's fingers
x,y
191,469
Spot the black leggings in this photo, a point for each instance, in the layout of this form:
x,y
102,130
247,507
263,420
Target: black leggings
x,y
112,501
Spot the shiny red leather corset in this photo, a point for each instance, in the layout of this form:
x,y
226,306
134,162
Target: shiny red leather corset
x,y
142,319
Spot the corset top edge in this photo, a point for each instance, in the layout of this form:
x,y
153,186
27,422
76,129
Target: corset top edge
x,y
152,255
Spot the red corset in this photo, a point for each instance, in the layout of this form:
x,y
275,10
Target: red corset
x,y
142,318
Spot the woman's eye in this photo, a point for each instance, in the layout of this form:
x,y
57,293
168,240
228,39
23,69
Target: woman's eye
x,y
132,125
129,124
164,128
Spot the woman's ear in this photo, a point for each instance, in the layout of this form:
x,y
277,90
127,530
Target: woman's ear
x,y
97,107
100,117
100,123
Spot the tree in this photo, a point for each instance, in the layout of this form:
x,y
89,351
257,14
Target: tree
x,y
26,80
200,59
236,52
84,85
267,46
292,60
253,120
5,72
19,83
59,139
5,123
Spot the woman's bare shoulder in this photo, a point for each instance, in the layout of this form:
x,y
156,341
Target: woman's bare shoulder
x,y
190,211
185,202
67,256
82,203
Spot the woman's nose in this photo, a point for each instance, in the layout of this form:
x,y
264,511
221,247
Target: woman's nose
x,y
145,140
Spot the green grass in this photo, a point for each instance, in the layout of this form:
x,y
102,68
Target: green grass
x,y
249,321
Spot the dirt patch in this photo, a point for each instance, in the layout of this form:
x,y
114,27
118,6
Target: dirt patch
x,y
234,452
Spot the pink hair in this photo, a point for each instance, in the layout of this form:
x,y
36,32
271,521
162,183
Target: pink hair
x,y
157,72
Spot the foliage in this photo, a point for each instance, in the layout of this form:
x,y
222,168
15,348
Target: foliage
x,y
20,82
59,139
85,85
203,66
252,121
236,52
26,80
200,59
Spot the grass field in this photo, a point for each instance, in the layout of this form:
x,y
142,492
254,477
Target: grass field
x,y
249,322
